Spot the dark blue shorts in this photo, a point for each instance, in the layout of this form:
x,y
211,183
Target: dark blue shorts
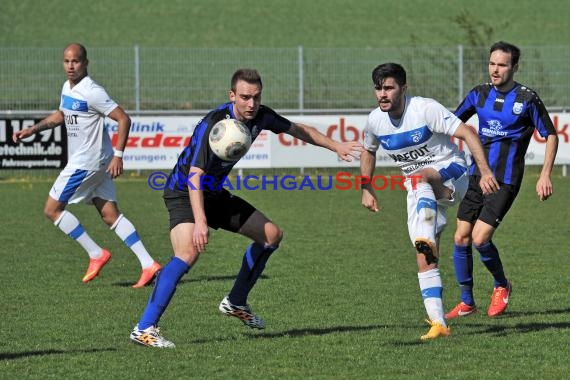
x,y
223,209
490,209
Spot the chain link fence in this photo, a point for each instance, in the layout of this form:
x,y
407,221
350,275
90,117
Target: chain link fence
x,y
176,80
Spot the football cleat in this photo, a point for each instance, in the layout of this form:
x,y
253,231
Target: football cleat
x,y
243,313
427,248
437,330
95,266
147,275
499,300
461,310
150,337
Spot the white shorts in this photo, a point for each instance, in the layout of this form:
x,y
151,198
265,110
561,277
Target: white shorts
x,y
458,187
78,185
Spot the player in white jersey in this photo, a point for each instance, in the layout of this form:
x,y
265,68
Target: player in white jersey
x,y
92,164
415,132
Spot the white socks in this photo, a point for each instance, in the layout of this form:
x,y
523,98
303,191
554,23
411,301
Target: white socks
x,y
128,234
432,290
68,223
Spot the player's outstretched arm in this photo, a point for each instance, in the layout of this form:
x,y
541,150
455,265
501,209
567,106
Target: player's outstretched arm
x,y
367,165
544,187
50,122
345,150
488,183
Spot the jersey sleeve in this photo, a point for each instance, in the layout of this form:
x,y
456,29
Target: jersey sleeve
x,y
100,101
440,119
274,122
370,141
201,153
540,117
467,107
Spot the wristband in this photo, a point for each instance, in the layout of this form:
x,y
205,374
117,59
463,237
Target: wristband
x,y
118,153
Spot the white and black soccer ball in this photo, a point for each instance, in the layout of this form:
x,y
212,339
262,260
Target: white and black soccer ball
x,y
230,139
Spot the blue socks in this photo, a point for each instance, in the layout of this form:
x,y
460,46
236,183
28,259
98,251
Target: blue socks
x,y
163,291
252,266
490,258
253,263
463,262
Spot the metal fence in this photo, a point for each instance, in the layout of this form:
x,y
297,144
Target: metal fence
x,y
188,80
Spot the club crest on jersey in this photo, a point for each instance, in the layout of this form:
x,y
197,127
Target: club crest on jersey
x,y
416,136
517,108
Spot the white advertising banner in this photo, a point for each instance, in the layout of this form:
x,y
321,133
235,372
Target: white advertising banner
x,y
156,142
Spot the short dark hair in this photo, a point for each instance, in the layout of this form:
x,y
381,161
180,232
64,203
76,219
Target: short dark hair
x,y
250,76
507,48
389,70
82,50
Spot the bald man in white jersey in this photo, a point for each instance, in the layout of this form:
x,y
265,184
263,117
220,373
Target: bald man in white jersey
x,y
415,132
92,164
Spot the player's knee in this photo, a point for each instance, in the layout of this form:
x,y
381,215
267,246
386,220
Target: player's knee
x,y
479,241
108,220
461,239
111,217
48,213
480,238
51,213
274,235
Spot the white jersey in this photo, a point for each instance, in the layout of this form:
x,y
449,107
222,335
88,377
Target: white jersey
x,y
420,139
85,107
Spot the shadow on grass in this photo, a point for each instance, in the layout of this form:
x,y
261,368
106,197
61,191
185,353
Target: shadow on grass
x,y
519,328
534,312
27,354
191,279
297,333
510,328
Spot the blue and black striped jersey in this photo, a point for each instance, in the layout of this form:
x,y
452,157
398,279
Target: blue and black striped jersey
x,y
506,125
199,154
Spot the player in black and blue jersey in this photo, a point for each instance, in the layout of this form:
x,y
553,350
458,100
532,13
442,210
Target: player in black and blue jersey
x,y
195,204
508,113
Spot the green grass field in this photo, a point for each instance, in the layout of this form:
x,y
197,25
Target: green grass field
x,y
279,23
340,297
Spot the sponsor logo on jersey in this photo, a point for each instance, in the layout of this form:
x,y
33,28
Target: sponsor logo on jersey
x,y
411,155
495,129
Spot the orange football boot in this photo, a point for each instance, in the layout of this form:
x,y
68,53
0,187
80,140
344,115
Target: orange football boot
x,y
95,266
147,275
461,310
499,300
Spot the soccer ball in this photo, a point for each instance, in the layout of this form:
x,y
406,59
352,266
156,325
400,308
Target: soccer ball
x,y
230,139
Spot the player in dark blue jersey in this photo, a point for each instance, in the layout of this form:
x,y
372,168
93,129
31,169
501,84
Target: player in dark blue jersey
x,y
508,114
195,205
